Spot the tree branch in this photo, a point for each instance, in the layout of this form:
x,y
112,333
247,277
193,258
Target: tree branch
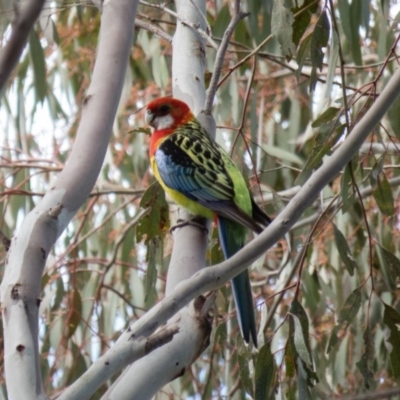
x,y
10,54
148,375
153,29
117,358
214,277
338,203
21,284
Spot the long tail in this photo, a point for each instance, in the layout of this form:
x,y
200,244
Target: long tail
x,y
232,237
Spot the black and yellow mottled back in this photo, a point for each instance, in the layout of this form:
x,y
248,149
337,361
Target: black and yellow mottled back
x,y
193,154
193,164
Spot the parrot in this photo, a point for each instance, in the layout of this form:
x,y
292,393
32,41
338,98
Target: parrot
x,y
199,175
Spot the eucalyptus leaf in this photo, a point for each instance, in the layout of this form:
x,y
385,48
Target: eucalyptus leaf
x,y
346,316
393,264
282,154
344,251
281,25
319,40
264,374
382,191
391,318
39,66
243,356
300,341
394,115
365,365
155,223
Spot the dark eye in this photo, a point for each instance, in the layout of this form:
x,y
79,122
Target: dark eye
x,y
164,109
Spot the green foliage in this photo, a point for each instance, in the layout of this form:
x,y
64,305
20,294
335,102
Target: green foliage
x,y
264,374
346,316
39,68
156,222
319,40
366,363
394,117
298,357
329,132
352,14
382,191
302,17
243,356
391,319
392,264
344,251
282,21
300,338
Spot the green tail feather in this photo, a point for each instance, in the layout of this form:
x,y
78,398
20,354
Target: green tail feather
x,y
232,238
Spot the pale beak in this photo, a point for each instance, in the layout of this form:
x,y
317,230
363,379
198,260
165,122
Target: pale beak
x,y
149,117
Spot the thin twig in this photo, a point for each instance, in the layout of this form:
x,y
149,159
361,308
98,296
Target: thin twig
x,y
242,61
127,228
153,29
243,119
220,56
110,216
204,34
203,16
123,298
367,191
286,285
111,262
95,192
342,73
388,58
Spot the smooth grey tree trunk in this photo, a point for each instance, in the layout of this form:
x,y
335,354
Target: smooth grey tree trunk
x,y
21,286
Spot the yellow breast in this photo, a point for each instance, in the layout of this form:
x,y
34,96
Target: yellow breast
x,y
179,198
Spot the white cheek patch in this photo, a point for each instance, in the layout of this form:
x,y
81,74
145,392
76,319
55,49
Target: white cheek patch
x,y
163,122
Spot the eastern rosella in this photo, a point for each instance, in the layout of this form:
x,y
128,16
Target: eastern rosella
x,y
199,175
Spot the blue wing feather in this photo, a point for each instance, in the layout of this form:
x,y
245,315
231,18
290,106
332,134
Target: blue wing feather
x,y
175,176
179,172
183,166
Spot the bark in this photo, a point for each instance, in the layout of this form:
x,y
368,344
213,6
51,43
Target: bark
x,y
21,27
123,353
20,289
148,375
